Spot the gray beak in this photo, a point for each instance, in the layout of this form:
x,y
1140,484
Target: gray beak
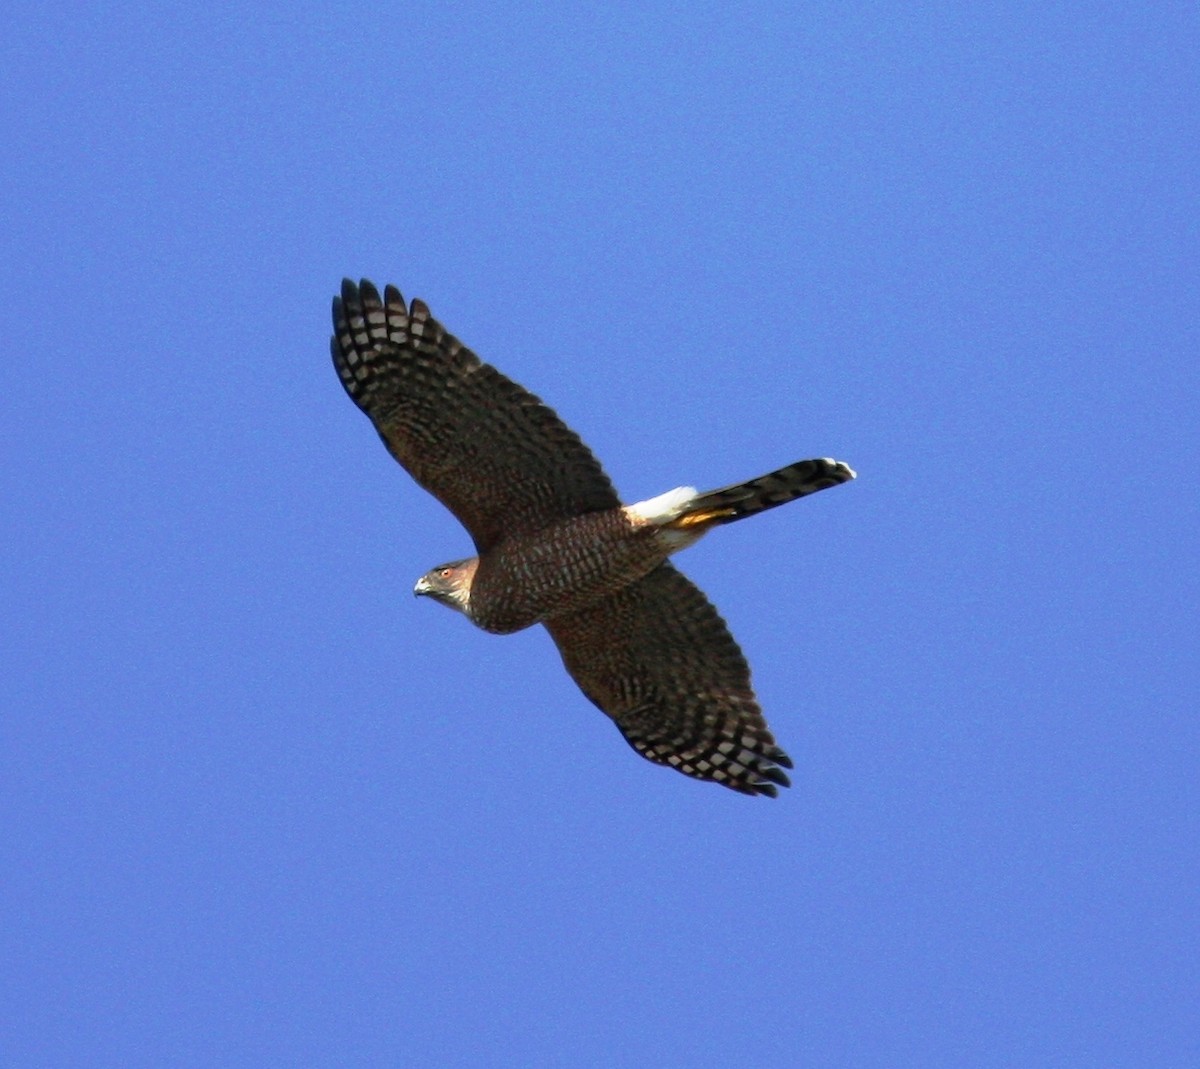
x,y
422,587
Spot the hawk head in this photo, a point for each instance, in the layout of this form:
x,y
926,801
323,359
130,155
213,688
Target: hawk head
x,y
449,583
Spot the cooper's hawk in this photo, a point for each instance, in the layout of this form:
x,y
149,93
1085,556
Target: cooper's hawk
x,y
555,546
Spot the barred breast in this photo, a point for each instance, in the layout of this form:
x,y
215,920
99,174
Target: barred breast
x,y
561,569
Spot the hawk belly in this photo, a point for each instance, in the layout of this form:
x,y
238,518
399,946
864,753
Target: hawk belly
x,y
564,568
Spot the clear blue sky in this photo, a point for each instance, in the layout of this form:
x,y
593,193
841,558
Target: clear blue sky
x,y
260,807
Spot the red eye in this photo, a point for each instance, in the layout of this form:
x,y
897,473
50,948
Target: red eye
x,y
445,573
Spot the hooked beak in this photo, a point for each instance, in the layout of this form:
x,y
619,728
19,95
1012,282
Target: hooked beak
x,y
422,587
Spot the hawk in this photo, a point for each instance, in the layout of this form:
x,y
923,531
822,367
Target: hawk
x,y
555,546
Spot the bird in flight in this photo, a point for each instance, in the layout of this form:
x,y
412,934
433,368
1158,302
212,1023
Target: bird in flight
x,y
555,546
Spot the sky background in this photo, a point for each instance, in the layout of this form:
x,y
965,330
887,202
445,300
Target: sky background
x,y
260,807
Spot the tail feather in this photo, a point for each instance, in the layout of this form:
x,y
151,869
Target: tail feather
x,y
736,502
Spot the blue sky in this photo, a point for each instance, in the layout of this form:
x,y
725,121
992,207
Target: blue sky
x,y
261,807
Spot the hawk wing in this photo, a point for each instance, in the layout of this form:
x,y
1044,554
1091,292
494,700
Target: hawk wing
x,y
491,452
659,660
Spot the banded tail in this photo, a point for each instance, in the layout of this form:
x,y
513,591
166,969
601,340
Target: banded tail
x,y
732,503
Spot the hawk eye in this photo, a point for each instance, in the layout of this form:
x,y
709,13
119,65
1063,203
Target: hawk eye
x,y
445,573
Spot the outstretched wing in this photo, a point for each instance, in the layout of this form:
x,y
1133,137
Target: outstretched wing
x,y
490,451
659,660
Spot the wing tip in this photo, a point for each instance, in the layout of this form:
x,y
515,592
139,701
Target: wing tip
x,y
354,296
367,292
394,299
760,772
